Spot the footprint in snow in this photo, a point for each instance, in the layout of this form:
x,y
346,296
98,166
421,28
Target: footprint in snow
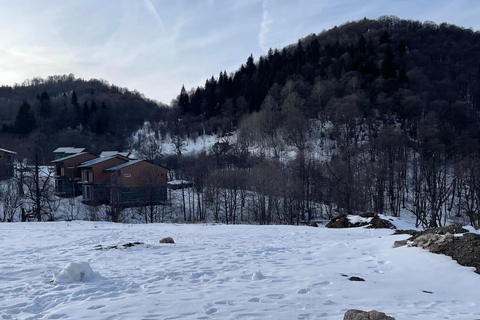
x,y
210,311
303,291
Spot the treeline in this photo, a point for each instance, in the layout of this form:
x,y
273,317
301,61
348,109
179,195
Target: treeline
x,y
375,115
66,110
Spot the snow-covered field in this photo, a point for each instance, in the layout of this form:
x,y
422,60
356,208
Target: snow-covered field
x,y
223,272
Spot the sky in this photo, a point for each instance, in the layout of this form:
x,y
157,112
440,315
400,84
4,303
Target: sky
x,y
156,46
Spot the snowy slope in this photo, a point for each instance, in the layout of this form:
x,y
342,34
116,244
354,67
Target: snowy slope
x,y
224,272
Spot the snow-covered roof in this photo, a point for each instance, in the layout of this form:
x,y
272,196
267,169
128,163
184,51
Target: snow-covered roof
x,y
68,150
112,153
8,151
92,162
123,165
69,157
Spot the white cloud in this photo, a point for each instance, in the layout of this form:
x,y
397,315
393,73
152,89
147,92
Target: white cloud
x,y
264,27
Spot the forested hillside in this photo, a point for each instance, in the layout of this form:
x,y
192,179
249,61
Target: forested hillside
x,y
375,115
65,111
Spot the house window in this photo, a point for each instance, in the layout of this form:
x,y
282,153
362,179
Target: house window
x,y
127,175
88,193
86,176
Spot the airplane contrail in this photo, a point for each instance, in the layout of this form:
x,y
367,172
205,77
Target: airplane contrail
x,y
154,12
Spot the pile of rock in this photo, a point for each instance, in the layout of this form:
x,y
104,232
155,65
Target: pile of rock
x,y
370,220
365,315
431,241
463,248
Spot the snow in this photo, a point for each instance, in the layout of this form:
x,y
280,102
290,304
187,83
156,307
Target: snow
x,y
75,272
224,272
358,219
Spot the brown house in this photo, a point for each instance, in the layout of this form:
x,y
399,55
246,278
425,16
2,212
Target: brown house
x,y
68,174
94,179
6,163
138,182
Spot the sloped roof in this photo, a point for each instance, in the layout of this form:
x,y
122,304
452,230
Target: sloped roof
x,y
69,150
70,157
8,151
93,162
132,162
123,165
126,154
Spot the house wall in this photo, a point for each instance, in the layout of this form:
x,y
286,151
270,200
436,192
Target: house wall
x,y
97,170
68,168
141,174
5,158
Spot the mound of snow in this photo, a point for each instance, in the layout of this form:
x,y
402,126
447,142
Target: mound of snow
x,y
257,275
75,272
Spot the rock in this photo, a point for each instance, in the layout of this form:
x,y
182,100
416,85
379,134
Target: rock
x,y
313,224
167,240
356,279
463,249
471,236
375,222
339,222
410,232
400,243
368,215
379,223
131,244
364,315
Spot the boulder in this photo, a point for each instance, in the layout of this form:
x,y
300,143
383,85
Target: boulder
x,y
167,240
365,315
410,232
354,278
379,223
400,243
342,221
338,222
374,221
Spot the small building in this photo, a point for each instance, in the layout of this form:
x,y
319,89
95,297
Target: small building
x,y
6,163
68,174
138,182
63,152
94,179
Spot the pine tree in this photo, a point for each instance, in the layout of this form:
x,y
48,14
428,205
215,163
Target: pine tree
x,y
25,121
45,106
389,68
184,101
93,107
85,114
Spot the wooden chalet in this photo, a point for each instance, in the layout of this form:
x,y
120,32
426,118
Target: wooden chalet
x,y
113,178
